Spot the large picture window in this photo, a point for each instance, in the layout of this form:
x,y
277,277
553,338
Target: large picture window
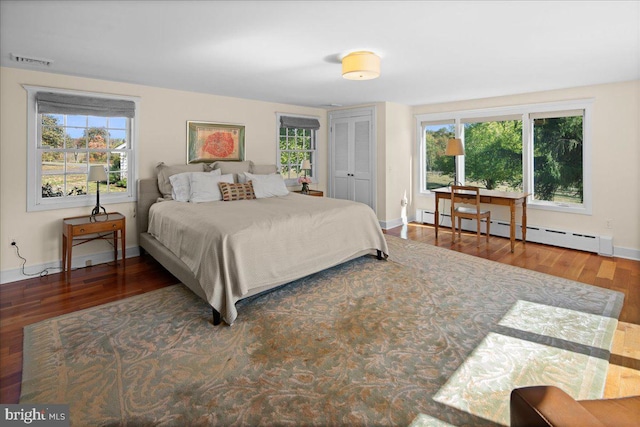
x,y
540,149
70,132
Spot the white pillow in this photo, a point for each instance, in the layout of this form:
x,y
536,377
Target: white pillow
x,y
267,185
181,184
242,178
204,187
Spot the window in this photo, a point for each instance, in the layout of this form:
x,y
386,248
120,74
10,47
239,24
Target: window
x,y
493,153
68,133
558,157
539,149
297,143
439,169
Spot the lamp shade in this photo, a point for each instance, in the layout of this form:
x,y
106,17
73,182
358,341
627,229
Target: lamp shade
x,y
306,165
454,147
361,65
97,173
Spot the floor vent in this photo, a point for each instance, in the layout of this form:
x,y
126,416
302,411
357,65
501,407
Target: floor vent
x,y
564,239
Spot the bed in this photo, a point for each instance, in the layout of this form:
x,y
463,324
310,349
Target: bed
x,y
225,251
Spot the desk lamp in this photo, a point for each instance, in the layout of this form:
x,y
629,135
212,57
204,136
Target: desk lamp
x,y
97,174
455,148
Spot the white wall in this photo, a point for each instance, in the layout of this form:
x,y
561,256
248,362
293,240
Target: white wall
x,y
163,117
398,166
615,162
162,137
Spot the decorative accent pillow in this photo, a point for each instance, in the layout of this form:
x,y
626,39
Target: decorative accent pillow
x,y
267,185
232,191
165,171
181,184
204,187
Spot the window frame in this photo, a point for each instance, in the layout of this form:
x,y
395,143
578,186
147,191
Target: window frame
x,y
35,201
525,112
291,182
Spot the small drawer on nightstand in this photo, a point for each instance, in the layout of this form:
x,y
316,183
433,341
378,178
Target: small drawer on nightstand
x,y
95,227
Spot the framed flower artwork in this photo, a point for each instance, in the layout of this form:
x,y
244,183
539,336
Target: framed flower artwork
x,y
209,142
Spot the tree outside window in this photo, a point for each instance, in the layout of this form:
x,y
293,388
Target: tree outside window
x,y
557,161
493,154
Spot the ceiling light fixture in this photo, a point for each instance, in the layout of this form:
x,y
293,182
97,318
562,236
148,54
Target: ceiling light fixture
x,y
361,65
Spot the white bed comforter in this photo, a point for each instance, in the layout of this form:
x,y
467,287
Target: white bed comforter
x,y
239,248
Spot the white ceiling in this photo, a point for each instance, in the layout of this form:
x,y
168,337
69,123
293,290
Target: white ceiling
x,y
288,51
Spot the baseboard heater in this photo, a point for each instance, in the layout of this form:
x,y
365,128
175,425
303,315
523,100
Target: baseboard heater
x,y
602,245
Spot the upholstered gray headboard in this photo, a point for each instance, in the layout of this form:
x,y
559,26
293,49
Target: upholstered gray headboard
x,y
148,193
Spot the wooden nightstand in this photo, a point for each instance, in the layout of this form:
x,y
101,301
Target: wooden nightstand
x,y
85,229
316,193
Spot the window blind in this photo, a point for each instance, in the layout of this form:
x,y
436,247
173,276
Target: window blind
x,y
299,122
61,103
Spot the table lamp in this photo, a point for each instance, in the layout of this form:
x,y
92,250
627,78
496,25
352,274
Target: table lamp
x,y
97,174
306,165
454,148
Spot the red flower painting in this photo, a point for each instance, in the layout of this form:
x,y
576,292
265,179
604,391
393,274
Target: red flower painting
x,y
218,145
212,141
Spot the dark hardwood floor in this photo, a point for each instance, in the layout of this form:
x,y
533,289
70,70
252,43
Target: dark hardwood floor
x,y
33,300
37,299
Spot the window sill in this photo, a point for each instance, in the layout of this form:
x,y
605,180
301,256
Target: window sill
x,y
546,206
51,204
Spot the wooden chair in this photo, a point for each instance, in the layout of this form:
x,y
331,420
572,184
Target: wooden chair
x,y
467,195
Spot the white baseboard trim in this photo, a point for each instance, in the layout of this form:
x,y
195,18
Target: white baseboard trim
x,y
627,253
601,245
386,225
15,275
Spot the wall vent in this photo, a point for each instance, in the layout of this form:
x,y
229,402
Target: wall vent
x,y
31,60
565,239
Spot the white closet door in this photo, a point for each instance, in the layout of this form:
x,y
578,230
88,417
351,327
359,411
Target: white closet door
x,y
362,161
352,155
341,160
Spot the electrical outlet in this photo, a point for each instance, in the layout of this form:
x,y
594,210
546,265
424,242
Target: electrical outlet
x,y
609,223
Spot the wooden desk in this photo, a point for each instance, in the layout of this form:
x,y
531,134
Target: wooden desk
x,y
85,229
503,198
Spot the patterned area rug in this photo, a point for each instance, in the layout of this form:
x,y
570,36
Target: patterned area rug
x,y
429,336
